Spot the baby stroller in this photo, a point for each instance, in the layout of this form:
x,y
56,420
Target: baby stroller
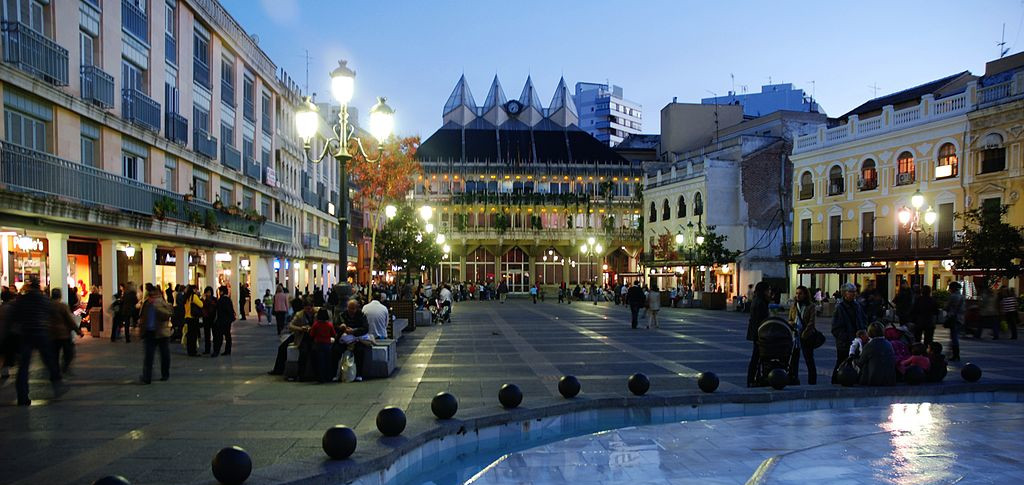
x,y
441,312
775,344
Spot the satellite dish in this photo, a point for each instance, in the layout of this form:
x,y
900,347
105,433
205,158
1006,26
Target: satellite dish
x,y
255,38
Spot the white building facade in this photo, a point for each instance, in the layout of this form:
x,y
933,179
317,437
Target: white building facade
x,y
605,113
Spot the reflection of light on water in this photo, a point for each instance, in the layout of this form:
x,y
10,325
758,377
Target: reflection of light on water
x,y
623,454
485,470
913,431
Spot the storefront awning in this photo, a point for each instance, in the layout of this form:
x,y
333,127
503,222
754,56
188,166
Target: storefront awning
x,y
845,270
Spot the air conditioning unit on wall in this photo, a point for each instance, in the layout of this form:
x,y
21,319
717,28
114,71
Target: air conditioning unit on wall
x,y
905,178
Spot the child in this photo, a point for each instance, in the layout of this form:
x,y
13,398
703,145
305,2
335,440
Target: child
x,y
858,343
917,358
260,310
937,367
322,333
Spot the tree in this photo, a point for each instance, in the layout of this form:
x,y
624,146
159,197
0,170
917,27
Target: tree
x,y
989,244
403,243
384,181
713,250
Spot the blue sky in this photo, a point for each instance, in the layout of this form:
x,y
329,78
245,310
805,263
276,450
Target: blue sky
x,y
413,52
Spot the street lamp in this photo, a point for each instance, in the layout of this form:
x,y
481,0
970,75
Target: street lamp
x,y
306,123
911,219
589,248
426,212
390,211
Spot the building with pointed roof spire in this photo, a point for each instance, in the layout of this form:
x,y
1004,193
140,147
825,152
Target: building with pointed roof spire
x,y
562,109
606,114
532,110
494,105
460,108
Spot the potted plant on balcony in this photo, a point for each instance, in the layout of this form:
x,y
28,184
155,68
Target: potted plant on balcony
x,y
162,206
460,222
501,223
210,221
194,217
217,204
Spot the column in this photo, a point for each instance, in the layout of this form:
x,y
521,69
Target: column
x,y
148,255
533,265
462,264
290,273
565,271
5,262
181,266
234,277
108,275
211,269
57,263
497,265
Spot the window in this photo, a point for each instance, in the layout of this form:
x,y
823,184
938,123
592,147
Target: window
x,y
227,194
248,200
27,131
170,17
905,168
654,213
665,211
991,205
201,118
265,207
200,184
993,154
835,180
29,12
171,174
868,176
91,145
133,166
132,77
806,185
227,81
698,204
948,164
201,47
681,207
227,135
248,98
87,46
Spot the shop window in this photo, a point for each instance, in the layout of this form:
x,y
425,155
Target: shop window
x,y
806,186
905,169
948,164
993,154
868,176
835,181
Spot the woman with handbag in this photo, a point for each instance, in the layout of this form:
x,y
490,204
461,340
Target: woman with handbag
x,y
808,338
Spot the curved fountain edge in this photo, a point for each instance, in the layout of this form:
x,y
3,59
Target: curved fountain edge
x,y
379,460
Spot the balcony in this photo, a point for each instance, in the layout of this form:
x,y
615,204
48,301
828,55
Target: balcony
x,y
134,21
33,53
230,157
140,109
252,168
227,93
201,73
204,144
98,87
314,241
177,128
276,232
170,49
870,247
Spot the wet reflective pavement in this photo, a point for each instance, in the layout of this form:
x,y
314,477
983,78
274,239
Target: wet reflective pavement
x,y
899,444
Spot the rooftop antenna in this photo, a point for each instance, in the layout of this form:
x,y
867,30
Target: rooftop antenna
x,y
732,78
812,95
307,59
1002,43
874,89
716,112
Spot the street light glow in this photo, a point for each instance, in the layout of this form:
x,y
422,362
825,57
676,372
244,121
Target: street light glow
x,y
679,238
307,120
440,239
700,240
390,211
447,249
917,200
599,249
930,216
903,215
583,248
382,120
426,212
590,241
343,83
429,228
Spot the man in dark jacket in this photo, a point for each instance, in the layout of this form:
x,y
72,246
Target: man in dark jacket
x,y
877,360
243,296
31,317
848,318
222,329
758,313
636,300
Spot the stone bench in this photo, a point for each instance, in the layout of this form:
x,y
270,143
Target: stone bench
x,y
424,318
396,327
379,360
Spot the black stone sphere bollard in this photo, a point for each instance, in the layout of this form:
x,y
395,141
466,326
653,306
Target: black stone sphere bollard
x,y
339,442
112,480
707,381
848,376
510,396
778,378
914,375
638,384
391,421
231,466
569,386
444,405
970,372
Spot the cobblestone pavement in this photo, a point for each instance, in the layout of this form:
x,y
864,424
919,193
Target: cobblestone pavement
x,y
167,432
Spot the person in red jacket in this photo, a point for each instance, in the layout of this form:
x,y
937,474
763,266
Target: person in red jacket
x,y
323,336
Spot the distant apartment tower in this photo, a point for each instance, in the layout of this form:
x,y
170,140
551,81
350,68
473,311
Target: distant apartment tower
x,y
772,98
605,114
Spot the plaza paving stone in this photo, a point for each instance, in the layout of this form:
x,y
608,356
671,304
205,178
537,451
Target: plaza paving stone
x,y
167,432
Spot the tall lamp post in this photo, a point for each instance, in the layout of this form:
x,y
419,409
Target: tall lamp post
x,y
698,240
589,248
911,219
307,120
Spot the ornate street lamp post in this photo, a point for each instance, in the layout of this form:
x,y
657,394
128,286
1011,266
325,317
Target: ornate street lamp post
x,y
911,219
589,248
307,120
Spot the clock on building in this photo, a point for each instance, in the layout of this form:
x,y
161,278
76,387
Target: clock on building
x,y
513,108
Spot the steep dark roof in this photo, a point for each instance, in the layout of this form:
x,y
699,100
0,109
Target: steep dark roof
x,y
516,144
910,94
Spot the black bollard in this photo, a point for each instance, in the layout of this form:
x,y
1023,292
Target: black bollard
x,y
707,381
231,466
970,372
510,396
444,405
778,378
391,421
339,442
569,386
638,384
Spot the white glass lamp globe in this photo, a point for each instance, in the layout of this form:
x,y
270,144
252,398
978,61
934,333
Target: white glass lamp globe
x,y
426,212
390,211
307,120
382,120
930,217
679,238
343,83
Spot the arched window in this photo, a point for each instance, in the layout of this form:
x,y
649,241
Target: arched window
x,y
993,153
654,213
835,180
868,176
948,164
806,185
666,212
681,207
905,168
698,204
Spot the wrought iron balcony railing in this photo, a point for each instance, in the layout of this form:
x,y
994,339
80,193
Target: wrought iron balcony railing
x,y
230,157
134,21
33,53
98,87
140,109
177,128
204,144
874,247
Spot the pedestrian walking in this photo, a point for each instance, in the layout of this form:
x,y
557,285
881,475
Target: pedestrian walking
x,y
222,328
129,302
209,318
280,307
849,317
156,334
243,296
502,291
653,305
31,317
61,327
758,313
954,319
193,311
533,293
924,312
636,299
802,317
1008,310
268,306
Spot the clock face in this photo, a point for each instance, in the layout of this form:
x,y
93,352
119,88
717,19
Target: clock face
x,y
513,107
